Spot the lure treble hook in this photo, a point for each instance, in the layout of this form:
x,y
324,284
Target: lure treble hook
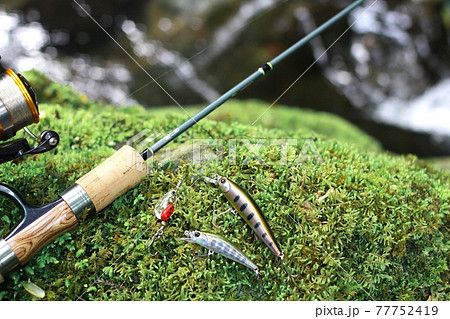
x,y
210,253
164,208
156,236
231,210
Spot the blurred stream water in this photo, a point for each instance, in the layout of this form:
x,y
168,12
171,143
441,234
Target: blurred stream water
x,y
24,46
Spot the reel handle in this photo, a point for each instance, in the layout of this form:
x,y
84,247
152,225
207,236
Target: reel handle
x,y
95,190
15,149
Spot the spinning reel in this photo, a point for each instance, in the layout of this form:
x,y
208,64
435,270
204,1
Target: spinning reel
x,y
19,108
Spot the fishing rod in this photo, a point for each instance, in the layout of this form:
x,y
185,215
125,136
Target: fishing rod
x,y
118,174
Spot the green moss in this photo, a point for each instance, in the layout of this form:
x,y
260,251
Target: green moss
x,y
361,225
442,162
291,120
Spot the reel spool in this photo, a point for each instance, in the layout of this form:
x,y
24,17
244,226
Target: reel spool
x,y
18,106
18,109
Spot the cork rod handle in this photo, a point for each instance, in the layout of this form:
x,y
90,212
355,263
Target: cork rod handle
x,y
118,174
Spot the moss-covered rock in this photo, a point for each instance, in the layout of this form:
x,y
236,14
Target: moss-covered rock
x,y
354,223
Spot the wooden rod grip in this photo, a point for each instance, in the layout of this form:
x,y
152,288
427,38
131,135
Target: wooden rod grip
x,y
34,237
118,174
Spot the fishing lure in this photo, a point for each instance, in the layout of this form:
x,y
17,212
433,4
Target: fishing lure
x,y
41,225
164,208
219,245
244,204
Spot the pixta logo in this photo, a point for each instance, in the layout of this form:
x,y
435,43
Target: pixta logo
x,y
243,151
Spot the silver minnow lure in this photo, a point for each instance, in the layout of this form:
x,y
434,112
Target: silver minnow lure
x,y
249,211
219,245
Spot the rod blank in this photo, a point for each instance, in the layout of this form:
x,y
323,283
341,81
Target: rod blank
x,y
246,82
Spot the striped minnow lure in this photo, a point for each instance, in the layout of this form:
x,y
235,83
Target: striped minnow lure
x,y
244,204
217,244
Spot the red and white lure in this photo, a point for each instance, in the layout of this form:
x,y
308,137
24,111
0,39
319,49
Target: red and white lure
x,y
163,210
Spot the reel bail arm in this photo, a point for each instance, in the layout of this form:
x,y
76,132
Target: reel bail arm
x,y
15,149
19,108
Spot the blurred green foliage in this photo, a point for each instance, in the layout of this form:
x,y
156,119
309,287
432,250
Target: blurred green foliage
x,y
360,225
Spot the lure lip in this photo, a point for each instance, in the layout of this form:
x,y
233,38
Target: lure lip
x,y
213,180
190,235
219,180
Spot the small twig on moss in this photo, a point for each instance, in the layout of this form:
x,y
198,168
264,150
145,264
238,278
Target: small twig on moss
x,y
323,197
103,282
